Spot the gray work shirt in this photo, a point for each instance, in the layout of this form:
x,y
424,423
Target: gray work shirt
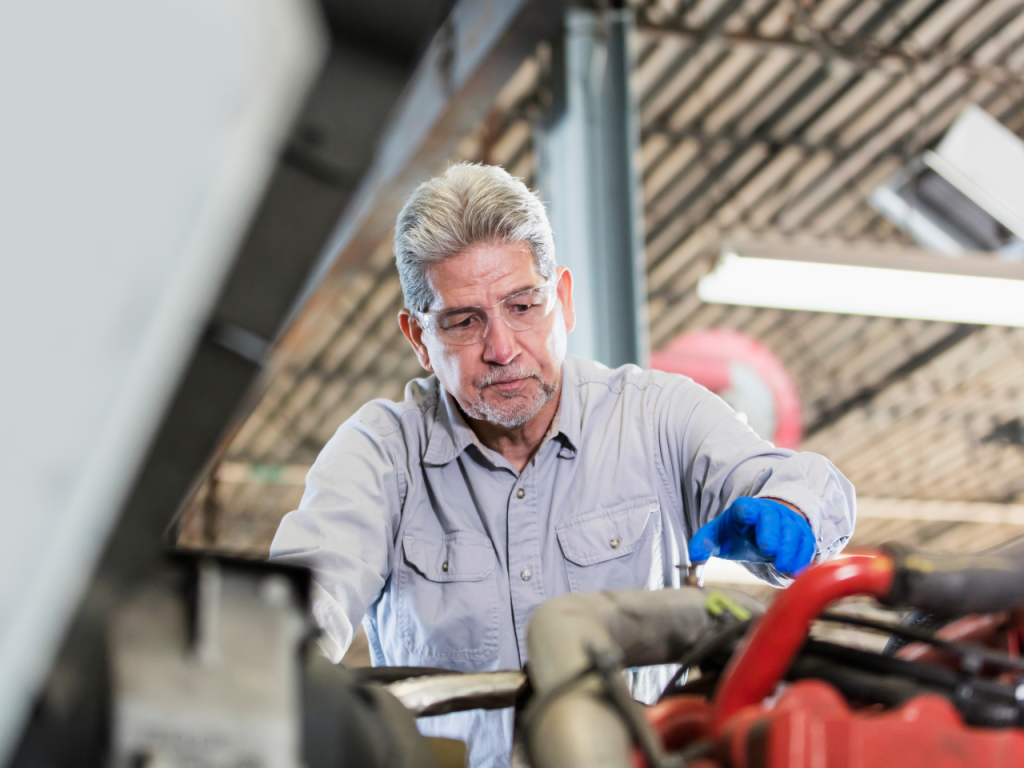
x,y
444,551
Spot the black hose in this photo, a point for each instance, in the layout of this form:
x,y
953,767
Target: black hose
x,y
858,685
928,674
867,678
703,648
975,653
954,584
923,620
920,620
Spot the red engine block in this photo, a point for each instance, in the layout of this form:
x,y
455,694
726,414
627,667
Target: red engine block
x,y
811,726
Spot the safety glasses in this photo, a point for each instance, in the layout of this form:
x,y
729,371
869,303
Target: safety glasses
x,y
469,325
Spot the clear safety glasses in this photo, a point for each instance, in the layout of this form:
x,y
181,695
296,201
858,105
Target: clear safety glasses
x,y
469,325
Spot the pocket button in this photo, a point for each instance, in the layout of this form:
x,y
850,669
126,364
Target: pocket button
x,y
614,543
444,566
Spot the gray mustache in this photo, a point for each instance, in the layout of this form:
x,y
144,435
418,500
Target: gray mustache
x,y
510,373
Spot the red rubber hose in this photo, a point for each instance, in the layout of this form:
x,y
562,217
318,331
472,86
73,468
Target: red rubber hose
x,y
759,665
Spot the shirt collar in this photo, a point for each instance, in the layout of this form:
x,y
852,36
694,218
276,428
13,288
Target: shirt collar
x,y
569,410
451,435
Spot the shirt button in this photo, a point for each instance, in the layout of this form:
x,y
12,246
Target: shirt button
x,y
526,575
444,566
614,543
520,493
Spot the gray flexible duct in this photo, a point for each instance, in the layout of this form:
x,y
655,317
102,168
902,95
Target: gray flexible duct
x,y
579,728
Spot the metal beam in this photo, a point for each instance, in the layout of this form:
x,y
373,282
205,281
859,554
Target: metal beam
x,y
477,50
586,147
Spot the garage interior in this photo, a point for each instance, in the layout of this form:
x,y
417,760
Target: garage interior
x,y
791,126
771,120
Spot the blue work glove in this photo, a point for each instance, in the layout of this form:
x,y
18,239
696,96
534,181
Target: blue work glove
x,y
756,531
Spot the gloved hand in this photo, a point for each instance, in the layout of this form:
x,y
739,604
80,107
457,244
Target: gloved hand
x,y
756,531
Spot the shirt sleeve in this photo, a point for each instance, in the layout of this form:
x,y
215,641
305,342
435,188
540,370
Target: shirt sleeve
x,y
343,530
713,458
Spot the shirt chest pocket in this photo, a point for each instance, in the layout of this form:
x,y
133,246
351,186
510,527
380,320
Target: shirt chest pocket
x,y
615,548
447,597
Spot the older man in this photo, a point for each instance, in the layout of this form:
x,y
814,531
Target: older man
x,y
516,473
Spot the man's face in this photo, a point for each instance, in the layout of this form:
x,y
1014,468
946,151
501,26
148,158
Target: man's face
x,y
506,378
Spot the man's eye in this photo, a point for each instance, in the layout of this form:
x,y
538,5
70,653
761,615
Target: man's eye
x,y
459,322
521,309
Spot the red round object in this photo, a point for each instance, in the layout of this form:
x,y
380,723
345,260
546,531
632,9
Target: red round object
x,y
729,362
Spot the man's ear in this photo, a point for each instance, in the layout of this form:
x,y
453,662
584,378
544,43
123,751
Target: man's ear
x,y
413,331
565,298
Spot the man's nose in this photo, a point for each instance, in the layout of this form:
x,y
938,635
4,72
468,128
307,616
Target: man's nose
x,y
500,343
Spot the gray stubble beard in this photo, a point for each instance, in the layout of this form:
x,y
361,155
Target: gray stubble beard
x,y
514,414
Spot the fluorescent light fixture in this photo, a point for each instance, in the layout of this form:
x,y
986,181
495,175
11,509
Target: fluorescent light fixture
x,y
876,283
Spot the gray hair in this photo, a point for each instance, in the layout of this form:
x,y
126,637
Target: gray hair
x,y
471,203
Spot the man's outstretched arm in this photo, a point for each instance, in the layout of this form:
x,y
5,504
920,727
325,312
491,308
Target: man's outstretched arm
x,y
720,460
343,531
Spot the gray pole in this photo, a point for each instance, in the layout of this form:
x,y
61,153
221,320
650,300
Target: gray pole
x,y
588,174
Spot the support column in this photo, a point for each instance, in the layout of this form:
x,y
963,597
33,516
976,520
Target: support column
x,y
587,148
